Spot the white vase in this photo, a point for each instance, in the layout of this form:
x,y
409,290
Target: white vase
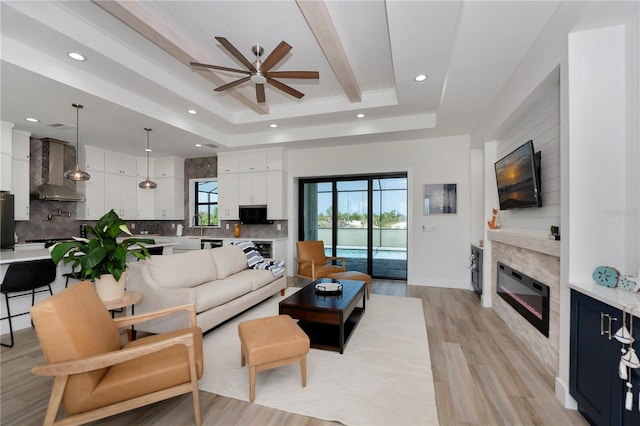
x,y
110,289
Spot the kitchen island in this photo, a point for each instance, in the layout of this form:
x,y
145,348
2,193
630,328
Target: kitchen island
x,y
25,252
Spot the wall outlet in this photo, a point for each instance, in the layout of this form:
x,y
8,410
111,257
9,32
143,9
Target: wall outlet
x,y
279,227
226,226
173,226
133,226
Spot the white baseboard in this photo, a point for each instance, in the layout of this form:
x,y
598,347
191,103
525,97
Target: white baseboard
x,y
562,394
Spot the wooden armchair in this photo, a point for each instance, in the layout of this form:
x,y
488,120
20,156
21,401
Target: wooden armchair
x,y
94,375
311,261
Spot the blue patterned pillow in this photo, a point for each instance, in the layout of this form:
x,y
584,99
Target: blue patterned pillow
x,y
249,249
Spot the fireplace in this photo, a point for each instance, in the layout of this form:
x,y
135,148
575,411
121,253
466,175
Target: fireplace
x,y
527,296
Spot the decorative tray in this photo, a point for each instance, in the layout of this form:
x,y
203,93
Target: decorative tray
x,y
328,286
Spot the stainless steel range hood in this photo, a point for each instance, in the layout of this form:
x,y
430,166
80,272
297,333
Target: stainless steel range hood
x,y
53,188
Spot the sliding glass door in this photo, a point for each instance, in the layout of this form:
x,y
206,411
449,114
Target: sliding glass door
x,y
360,218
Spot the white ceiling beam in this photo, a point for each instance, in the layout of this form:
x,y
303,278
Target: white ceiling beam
x,y
319,19
155,31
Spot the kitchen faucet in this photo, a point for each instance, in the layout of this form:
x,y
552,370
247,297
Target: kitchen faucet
x,y
50,216
196,222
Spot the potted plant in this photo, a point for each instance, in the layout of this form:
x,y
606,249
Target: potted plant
x,y
102,256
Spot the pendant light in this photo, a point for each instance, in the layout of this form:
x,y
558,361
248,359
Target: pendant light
x,y
77,174
148,184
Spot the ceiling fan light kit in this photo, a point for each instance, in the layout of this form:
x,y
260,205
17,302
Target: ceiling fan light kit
x,y
258,72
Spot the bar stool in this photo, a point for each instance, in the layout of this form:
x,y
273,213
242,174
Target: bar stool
x,y
25,277
73,275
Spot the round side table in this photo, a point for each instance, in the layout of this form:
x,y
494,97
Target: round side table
x,y
130,298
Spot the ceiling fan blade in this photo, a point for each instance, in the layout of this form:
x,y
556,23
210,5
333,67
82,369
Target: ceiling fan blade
x,y
287,89
235,52
275,56
260,93
295,74
232,84
216,67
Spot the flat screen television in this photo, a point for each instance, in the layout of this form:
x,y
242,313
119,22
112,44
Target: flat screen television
x,y
518,178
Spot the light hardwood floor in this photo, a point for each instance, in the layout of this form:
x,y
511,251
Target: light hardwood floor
x,y
482,373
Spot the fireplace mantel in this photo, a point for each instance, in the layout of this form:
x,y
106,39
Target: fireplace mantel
x,y
526,241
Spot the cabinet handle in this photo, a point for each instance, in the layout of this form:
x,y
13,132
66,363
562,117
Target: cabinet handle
x,y
608,330
602,315
611,319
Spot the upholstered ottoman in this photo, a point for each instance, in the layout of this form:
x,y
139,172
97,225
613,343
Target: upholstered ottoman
x,y
272,342
355,276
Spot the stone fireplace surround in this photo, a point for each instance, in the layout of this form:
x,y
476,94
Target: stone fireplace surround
x,y
538,258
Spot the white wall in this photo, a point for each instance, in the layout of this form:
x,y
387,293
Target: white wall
x,y
438,245
549,52
477,195
597,181
537,119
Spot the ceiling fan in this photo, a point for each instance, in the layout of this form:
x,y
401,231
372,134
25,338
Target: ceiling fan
x,y
258,72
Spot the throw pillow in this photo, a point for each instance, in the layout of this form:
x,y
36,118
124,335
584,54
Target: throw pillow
x,y
249,249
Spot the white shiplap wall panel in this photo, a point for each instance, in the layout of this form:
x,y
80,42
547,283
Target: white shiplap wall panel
x,y
537,119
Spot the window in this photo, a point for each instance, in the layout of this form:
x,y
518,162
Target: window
x,y
204,202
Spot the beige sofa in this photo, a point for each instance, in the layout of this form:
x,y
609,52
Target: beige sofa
x,y
217,281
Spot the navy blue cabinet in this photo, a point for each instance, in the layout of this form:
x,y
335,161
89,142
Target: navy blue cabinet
x,y
595,356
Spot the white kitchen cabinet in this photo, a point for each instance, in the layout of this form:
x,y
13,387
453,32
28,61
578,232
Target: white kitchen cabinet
x,y
275,159
168,167
120,195
120,164
169,198
141,168
6,177
228,197
227,162
20,173
260,160
93,207
252,161
252,188
20,145
20,188
276,199
145,203
93,159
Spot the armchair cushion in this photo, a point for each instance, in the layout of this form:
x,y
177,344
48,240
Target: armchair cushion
x,y
94,374
313,252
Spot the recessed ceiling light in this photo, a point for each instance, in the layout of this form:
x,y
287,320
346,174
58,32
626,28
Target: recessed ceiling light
x,y
198,145
76,56
361,115
273,125
421,77
192,111
33,120
148,149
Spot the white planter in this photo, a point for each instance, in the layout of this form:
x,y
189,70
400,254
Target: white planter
x,y
110,289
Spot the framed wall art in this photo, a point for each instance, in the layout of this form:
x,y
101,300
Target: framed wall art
x,y
440,198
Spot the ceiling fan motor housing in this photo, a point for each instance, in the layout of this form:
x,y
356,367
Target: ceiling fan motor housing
x,y
258,78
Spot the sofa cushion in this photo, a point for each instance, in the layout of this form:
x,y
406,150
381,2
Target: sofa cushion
x,y
183,269
229,260
257,277
218,292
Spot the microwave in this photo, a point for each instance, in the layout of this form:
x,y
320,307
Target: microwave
x,y
253,215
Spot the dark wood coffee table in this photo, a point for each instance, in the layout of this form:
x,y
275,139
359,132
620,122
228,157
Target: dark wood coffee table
x,y
328,319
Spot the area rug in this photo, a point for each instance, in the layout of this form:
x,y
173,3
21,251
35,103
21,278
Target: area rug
x,y
383,378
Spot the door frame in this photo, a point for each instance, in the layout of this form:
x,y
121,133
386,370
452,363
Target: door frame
x,y
370,177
